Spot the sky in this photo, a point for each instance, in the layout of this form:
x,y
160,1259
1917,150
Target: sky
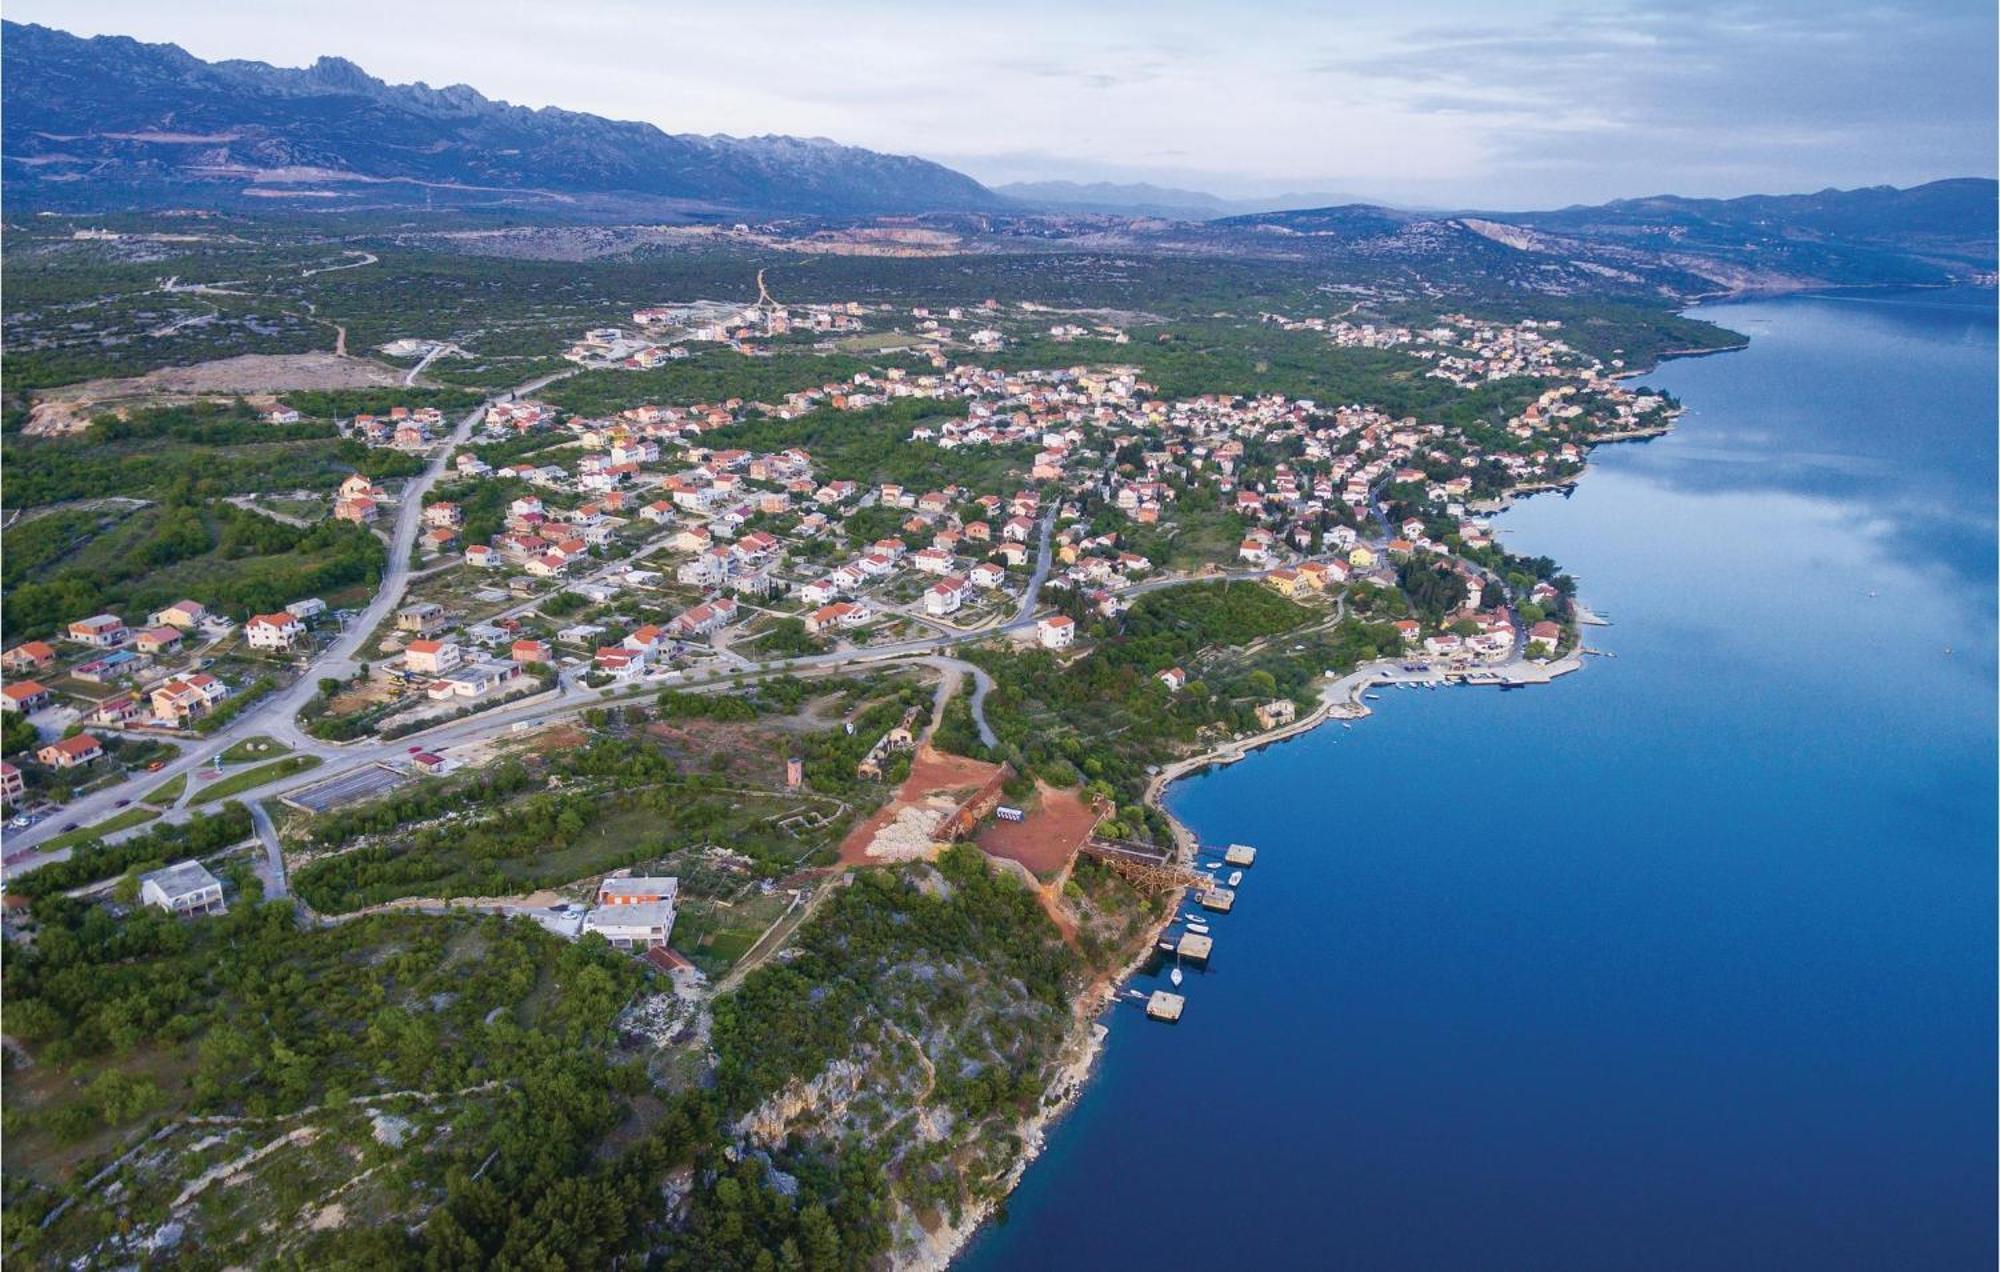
x,y
1438,103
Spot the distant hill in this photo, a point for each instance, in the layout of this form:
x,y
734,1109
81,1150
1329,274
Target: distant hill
x,y
1141,199
1964,211
111,122
1933,233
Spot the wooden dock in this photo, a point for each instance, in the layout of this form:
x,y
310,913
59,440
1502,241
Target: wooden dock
x,y
1165,1006
1147,865
1220,900
1240,855
1194,947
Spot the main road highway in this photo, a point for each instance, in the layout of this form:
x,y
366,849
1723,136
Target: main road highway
x,y
276,716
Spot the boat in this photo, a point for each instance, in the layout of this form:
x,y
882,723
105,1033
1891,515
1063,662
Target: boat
x,y
1235,878
1199,929
1175,976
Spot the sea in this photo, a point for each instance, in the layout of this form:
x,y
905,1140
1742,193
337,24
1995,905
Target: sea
x,y
1685,961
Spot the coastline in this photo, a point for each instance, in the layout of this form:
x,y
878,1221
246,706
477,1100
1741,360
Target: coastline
x,y
1343,699
1081,1047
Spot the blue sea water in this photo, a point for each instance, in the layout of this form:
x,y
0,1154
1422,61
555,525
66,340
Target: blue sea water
x,y
1685,961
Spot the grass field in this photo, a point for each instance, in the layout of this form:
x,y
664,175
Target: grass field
x,y
715,934
166,793
223,788
111,825
257,748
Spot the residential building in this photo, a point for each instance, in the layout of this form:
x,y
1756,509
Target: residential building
x,y
640,926
103,631
1056,632
637,890
24,697
185,888
1276,712
424,618
432,657
158,640
945,596
186,615
273,631
33,655
181,701
71,752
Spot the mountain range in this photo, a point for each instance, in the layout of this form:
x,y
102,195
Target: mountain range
x,y
109,123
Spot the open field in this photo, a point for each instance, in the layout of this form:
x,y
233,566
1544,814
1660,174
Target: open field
x,y
1057,823
250,375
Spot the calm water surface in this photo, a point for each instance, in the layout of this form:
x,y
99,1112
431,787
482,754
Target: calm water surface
x,y
1686,961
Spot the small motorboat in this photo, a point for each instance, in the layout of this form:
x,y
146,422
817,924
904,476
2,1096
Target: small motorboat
x,y
1199,929
1235,878
1175,976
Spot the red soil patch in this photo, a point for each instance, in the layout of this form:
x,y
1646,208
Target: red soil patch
x,y
935,779
1046,839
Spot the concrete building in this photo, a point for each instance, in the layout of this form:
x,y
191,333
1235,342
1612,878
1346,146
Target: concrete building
x,y
642,925
186,887
273,631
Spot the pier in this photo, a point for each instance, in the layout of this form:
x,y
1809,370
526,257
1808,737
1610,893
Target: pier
x,y
1146,865
1220,900
1194,948
1165,1006
1240,855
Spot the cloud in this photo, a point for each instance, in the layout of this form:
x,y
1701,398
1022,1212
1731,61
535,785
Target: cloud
x,y
1439,102
1708,98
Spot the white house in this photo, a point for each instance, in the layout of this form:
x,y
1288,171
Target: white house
x,y
641,925
1056,632
186,887
273,631
946,596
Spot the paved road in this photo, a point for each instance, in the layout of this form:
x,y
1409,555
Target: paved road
x,y
955,671
273,873
982,684
277,715
1044,560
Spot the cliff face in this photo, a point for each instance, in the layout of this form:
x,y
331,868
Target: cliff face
x,y
134,124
